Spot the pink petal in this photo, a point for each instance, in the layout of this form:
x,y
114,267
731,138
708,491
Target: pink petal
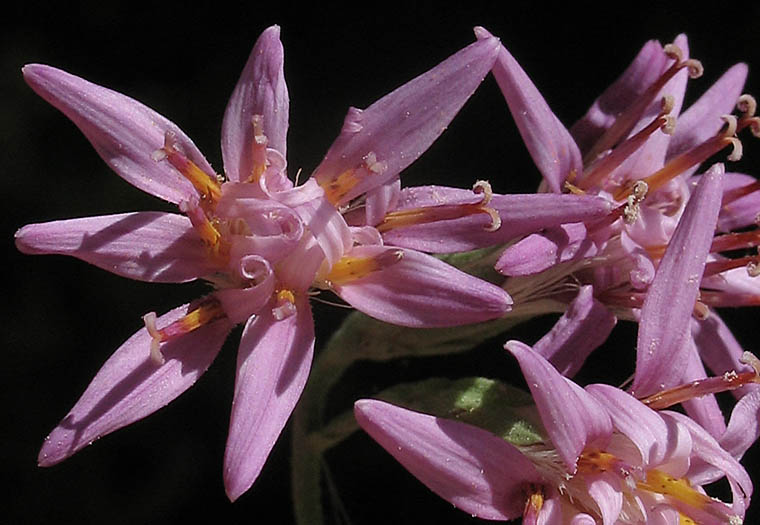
x,y
538,252
719,348
381,200
572,417
645,69
421,291
651,156
702,120
273,363
124,132
636,421
262,91
704,410
670,301
399,127
471,468
322,218
147,246
605,490
707,449
743,427
240,303
131,386
553,149
520,215
583,327
743,211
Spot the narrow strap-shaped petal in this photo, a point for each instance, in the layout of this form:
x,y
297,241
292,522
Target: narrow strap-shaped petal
x,y
571,416
664,326
707,449
640,74
540,251
583,327
520,215
651,156
322,218
380,200
147,246
742,212
124,132
261,91
469,467
636,421
605,490
376,144
273,363
553,149
744,426
410,288
131,386
702,120
719,348
704,409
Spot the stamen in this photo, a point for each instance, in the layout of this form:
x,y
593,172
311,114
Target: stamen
x,y
737,193
723,299
632,207
747,105
695,156
207,186
443,212
336,188
700,311
350,268
285,304
596,462
623,299
259,149
208,311
155,338
681,490
716,267
533,504
735,241
626,121
702,387
207,229
599,170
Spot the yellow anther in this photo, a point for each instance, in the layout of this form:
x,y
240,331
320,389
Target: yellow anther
x,y
338,187
677,488
285,304
443,212
596,462
350,268
208,186
286,296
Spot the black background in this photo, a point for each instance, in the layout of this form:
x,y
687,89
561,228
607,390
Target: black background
x,y
62,318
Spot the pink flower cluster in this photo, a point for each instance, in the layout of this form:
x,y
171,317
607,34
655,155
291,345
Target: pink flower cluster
x,y
622,227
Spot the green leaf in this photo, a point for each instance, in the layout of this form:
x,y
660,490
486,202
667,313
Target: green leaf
x,y
505,411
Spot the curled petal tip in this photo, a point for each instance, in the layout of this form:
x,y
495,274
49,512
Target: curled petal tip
x,y
481,33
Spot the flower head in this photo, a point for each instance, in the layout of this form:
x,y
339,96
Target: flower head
x,y
605,457
265,244
662,256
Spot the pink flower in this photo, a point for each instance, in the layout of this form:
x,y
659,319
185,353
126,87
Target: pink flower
x,y
263,243
605,457
659,258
